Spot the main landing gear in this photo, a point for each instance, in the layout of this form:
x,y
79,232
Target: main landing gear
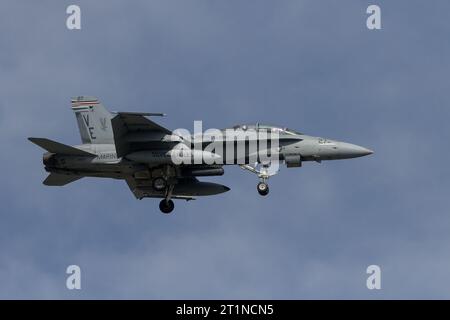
x,y
166,206
165,184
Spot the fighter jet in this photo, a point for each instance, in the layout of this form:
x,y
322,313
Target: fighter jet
x,y
160,163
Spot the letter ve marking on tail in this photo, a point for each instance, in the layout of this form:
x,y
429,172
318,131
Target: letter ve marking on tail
x,y
90,129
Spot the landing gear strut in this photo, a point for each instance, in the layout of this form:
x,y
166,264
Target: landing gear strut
x,y
166,206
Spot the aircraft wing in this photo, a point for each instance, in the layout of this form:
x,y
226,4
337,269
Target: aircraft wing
x,y
134,131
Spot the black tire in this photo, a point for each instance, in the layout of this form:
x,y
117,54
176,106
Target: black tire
x,y
159,184
263,188
166,206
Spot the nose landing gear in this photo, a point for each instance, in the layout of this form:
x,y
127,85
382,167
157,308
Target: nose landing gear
x,y
263,188
266,170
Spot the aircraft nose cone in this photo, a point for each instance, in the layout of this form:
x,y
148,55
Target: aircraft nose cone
x,y
368,152
349,150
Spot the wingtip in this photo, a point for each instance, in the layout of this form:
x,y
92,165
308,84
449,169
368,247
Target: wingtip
x,y
37,141
33,139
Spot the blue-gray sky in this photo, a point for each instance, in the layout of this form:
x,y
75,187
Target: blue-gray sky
x,y
309,65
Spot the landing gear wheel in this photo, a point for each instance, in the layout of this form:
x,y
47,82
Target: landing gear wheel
x,y
166,206
263,188
159,184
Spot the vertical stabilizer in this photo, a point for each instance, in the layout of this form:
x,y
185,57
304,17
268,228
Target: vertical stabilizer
x,y
94,121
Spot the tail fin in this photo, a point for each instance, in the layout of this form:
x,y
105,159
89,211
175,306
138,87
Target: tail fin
x,y
94,121
56,147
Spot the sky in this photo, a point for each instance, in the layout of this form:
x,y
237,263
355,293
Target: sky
x,y
312,66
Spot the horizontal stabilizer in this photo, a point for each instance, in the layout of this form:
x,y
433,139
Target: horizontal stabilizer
x,y
56,147
56,179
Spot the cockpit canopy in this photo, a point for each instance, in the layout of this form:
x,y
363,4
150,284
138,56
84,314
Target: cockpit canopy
x,y
266,127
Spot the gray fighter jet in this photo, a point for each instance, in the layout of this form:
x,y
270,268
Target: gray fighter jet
x,y
159,163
